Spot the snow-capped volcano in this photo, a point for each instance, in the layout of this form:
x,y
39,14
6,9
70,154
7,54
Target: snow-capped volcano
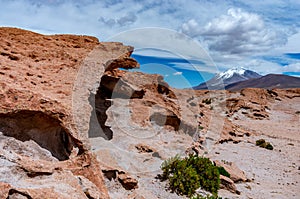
x,y
231,72
221,80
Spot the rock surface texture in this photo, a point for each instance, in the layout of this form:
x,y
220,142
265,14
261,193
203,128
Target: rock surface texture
x,y
73,125
45,112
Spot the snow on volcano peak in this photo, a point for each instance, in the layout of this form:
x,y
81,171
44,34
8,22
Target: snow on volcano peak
x,y
229,73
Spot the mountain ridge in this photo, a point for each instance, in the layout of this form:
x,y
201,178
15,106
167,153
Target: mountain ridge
x,y
269,81
221,80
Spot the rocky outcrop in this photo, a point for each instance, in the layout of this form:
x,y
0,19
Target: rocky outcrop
x,y
151,99
72,125
228,184
28,169
235,173
252,103
47,87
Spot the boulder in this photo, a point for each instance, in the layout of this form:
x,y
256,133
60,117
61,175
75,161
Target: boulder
x,y
236,174
47,86
228,184
127,181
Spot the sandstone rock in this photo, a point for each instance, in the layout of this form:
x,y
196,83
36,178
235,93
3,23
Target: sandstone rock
x,y
236,174
252,102
62,97
142,148
45,112
90,190
127,181
151,99
28,173
228,184
4,189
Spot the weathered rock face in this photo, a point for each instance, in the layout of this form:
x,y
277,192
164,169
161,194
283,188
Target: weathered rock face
x,y
68,115
149,96
253,103
46,84
228,184
236,175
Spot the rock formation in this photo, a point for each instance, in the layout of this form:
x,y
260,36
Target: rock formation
x,y
45,111
73,125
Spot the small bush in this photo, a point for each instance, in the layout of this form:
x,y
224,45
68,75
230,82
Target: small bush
x,y
207,101
262,143
205,197
187,174
223,172
200,127
269,146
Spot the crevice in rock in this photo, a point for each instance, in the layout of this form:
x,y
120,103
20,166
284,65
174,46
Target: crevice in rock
x,y
164,89
172,120
169,120
110,174
45,130
13,193
109,89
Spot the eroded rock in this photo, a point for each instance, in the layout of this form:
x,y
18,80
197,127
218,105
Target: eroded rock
x,y
228,184
46,97
127,181
236,174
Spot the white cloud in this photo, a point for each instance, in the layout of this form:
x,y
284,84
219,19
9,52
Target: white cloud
x,y
295,67
127,19
177,73
293,44
240,32
233,36
191,28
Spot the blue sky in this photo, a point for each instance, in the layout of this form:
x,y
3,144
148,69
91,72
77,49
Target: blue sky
x,y
263,36
172,70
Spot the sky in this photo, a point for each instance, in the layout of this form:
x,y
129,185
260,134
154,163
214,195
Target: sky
x,y
186,41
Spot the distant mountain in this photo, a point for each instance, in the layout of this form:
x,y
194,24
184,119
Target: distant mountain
x,y
269,81
221,80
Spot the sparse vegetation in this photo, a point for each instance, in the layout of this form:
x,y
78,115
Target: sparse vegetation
x,y
205,197
187,174
207,101
262,143
200,127
223,172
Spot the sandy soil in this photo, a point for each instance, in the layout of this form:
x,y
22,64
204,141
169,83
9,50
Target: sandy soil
x,y
273,174
283,121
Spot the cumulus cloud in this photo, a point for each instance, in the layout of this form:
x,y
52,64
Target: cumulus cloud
x,y
191,28
237,32
231,35
127,19
295,67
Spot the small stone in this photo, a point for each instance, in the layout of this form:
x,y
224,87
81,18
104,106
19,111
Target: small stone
x,y
127,181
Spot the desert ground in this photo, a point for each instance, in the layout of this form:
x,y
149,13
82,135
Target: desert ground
x,y
73,125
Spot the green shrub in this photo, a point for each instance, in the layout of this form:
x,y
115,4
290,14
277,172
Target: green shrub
x,y
187,174
223,172
262,143
205,197
207,101
200,127
269,146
